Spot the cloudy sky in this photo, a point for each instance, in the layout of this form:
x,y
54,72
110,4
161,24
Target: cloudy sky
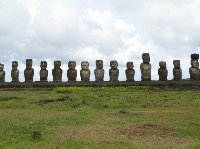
x,y
108,29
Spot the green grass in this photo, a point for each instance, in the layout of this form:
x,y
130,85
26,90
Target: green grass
x,y
102,117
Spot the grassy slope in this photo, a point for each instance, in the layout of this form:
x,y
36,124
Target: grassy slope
x,y
133,117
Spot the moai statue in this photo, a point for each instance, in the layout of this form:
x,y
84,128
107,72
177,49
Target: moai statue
x,y
72,72
99,71
2,73
145,67
29,71
162,71
43,71
15,72
194,69
114,71
130,72
85,72
57,72
177,71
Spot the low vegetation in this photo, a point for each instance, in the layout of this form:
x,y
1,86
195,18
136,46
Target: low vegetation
x,y
101,117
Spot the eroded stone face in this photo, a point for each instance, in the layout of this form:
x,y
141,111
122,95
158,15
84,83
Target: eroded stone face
x,y
72,72
177,71
29,71
43,71
162,71
57,72
130,72
2,73
15,72
85,72
194,70
99,71
145,67
114,71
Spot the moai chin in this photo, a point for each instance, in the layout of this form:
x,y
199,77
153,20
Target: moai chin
x,y
99,71
177,71
72,72
130,72
15,72
145,67
43,71
194,69
29,71
2,73
85,72
57,72
114,71
162,71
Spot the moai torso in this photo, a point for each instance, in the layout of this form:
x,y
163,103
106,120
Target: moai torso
x,y
145,67
2,73
177,71
99,71
194,69
43,71
162,71
85,72
130,72
15,72
72,72
114,71
29,71
57,72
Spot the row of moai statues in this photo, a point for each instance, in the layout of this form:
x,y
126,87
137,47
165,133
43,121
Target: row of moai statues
x,y
145,68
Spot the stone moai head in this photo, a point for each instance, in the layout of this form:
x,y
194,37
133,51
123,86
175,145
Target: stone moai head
x,y
113,64
146,58
14,64
57,64
99,64
195,63
72,65
84,65
129,65
1,67
29,63
177,63
43,65
162,65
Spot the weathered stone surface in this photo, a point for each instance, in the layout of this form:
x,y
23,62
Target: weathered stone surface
x,y
114,71
195,56
130,72
72,72
162,71
2,73
43,71
194,70
57,72
29,71
145,67
99,71
177,71
15,72
85,72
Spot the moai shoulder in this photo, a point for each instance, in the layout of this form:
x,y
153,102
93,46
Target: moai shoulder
x,y
177,71
130,72
29,71
57,72
114,71
85,72
162,71
43,71
99,71
145,67
15,72
2,73
72,72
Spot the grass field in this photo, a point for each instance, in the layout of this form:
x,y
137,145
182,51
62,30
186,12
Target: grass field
x,y
107,118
